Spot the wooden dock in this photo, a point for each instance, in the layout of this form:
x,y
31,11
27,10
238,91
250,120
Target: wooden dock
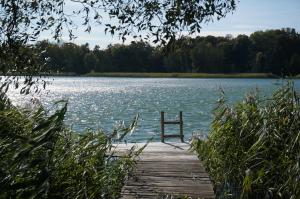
x,y
167,170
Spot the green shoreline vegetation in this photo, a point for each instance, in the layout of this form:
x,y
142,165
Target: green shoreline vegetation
x,y
184,75
263,54
161,75
165,75
253,147
42,158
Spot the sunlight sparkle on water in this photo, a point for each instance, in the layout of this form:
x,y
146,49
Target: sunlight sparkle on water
x,y
95,103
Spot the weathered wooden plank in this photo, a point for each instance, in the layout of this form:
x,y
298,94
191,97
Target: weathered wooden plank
x,y
172,183
174,174
154,146
169,191
174,179
170,163
152,194
166,152
157,196
168,158
167,165
167,169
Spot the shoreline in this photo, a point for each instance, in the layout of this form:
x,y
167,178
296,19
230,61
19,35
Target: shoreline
x,y
183,75
169,75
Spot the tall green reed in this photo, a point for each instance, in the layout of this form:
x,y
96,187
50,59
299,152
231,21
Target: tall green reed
x,y
42,158
253,148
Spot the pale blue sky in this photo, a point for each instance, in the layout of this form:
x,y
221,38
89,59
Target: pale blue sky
x,y
249,16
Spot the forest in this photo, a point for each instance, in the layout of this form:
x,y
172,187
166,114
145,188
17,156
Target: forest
x,y
270,51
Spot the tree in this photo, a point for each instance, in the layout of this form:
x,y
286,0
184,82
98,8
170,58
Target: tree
x,y
22,22
227,48
186,54
90,62
294,64
241,52
260,63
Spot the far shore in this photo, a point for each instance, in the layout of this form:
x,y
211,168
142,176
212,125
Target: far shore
x,y
183,75
169,75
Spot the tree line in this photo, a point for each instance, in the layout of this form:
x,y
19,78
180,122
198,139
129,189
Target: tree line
x,y
270,51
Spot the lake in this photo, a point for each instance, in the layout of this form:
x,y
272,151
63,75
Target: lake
x,y
103,103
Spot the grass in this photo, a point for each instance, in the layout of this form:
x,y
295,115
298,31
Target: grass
x,y
183,75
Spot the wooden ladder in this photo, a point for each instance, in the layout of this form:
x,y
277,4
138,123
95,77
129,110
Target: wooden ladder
x,y
163,122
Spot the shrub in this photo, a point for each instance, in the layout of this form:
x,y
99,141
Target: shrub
x,y
253,148
41,158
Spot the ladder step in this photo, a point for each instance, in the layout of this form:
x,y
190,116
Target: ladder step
x,y
172,122
173,136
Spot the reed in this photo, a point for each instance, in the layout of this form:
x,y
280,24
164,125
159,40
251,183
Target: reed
x,y
253,148
42,158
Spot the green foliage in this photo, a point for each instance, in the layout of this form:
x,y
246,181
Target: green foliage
x,y
23,22
253,149
208,54
41,158
4,102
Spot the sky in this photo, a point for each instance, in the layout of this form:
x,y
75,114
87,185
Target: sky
x,y
249,16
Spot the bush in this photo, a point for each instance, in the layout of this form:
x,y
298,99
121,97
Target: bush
x,y
253,149
41,158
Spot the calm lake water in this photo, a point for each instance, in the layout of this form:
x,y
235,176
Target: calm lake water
x,y
96,103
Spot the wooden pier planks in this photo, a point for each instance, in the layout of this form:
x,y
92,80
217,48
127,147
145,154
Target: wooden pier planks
x,y
165,170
